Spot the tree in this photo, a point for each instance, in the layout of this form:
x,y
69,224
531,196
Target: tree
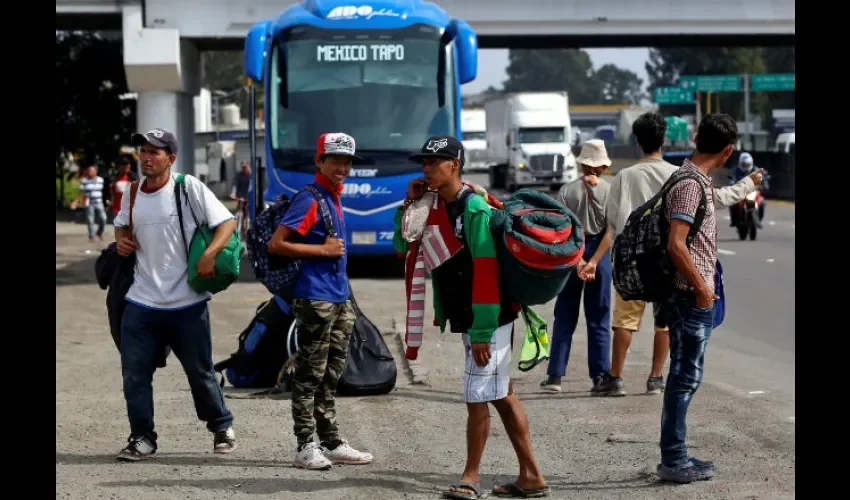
x,y
91,117
618,86
224,70
552,70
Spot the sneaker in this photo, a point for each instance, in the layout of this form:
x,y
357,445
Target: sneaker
x,y
655,385
343,453
224,441
609,386
138,448
702,464
551,384
687,473
310,457
596,381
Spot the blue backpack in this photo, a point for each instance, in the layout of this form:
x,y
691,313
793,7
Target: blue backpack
x,y
720,303
264,346
276,272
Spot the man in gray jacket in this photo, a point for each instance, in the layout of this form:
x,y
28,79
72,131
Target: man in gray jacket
x,y
632,187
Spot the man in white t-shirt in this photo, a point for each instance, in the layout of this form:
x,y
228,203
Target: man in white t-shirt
x,y
162,309
632,187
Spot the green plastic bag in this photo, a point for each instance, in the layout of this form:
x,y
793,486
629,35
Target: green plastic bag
x,y
535,345
226,263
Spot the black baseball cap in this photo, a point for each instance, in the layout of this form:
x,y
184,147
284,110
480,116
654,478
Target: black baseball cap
x,y
158,137
441,146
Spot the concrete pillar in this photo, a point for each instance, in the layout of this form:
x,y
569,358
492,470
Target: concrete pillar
x,y
172,111
164,71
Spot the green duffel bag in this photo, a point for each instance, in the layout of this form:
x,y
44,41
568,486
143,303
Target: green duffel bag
x,y
539,243
226,263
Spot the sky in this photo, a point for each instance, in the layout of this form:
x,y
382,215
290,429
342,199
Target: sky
x,y
492,64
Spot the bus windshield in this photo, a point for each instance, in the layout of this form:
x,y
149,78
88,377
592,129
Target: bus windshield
x,y
380,86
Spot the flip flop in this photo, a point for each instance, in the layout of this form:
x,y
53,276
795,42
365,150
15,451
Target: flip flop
x,y
463,495
514,491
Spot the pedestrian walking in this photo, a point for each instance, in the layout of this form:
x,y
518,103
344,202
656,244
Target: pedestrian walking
x,y
586,197
162,309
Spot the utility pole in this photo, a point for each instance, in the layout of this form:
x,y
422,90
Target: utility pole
x,y
747,124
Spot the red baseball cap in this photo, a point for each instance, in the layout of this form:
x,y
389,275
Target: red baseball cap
x,y
336,144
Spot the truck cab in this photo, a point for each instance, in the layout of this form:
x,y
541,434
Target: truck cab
x,y
529,140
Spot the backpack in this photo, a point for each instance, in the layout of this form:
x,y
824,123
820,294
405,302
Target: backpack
x,y
278,273
538,244
642,268
227,262
264,346
370,368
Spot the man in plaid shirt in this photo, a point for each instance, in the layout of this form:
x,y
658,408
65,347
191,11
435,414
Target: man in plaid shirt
x,y
689,312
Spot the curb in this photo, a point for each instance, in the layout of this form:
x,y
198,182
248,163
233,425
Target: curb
x,y
417,371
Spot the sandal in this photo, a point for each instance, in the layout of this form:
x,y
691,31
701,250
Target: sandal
x,y
511,490
455,493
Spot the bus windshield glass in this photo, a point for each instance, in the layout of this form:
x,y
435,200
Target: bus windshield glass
x,y
380,86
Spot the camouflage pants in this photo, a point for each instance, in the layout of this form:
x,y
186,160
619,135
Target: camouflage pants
x,y
323,332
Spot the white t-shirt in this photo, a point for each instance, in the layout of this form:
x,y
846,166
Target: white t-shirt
x,y
161,280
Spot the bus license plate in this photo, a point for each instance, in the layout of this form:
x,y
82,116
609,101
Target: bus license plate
x,y
363,237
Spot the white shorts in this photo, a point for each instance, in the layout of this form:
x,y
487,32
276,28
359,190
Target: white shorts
x,y
489,383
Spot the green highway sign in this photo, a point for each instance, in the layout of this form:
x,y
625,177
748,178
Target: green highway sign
x,y
710,83
677,129
775,81
672,95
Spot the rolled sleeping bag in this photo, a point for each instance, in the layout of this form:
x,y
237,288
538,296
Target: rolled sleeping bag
x,y
541,242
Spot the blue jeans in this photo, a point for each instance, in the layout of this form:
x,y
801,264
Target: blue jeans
x,y
96,210
597,314
144,333
690,328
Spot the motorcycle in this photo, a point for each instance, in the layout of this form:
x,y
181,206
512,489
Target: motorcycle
x,y
747,215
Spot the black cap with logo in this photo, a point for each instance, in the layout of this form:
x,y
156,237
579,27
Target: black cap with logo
x,y
158,137
441,146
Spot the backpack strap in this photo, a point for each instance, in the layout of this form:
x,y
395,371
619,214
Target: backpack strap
x,y
699,216
324,209
179,186
134,189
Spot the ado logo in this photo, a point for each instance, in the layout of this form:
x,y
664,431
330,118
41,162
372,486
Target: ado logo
x,y
352,12
363,190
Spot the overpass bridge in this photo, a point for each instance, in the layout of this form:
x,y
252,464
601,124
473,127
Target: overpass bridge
x,y
163,38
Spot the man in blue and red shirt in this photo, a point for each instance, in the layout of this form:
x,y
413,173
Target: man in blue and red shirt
x,y
322,306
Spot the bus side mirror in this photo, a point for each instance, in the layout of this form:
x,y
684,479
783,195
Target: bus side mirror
x,y
466,42
255,50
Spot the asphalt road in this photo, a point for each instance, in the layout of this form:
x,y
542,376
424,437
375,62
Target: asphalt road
x,y
589,448
753,350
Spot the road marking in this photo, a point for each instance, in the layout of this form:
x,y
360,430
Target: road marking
x,y
771,260
756,392
725,252
726,217
771,223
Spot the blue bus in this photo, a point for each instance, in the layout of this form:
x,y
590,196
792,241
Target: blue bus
x,y
387,72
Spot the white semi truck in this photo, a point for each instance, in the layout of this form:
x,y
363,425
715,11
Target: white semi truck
x,y
529,138
474,138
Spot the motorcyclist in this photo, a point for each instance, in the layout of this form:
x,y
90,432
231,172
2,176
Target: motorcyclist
x,y
746,167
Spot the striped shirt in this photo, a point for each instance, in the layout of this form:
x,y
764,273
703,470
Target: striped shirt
x,y
682,202
93,189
